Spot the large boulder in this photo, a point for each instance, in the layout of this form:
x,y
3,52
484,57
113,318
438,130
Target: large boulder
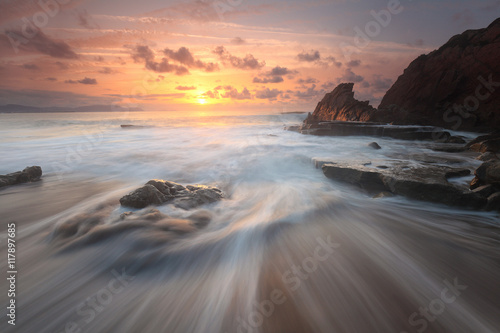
x,y
29,174
340,104
437,88
159,192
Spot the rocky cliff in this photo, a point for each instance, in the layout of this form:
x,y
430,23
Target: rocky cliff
x,y
340,104
456,86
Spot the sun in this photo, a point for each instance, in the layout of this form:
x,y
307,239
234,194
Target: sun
x,y
202,101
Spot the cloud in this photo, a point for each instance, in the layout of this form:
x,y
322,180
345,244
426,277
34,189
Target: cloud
x,y
281,71
248,62
40,43
149,97
380,83
350,76
183,88
45,98
274,79
267,93
50,79
82,81
275,75
307,81
31,67
309,57
107,70
142,53
329,85
61,65
185,57
234,94
354,63
238,41
310,93
84,19
333,61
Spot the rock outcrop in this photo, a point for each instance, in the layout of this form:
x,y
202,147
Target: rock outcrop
x,y
456,86
340,104
159,192
420,183
29,174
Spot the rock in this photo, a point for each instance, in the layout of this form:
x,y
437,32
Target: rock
x,y
493,202
346,128
489,172
424,183
158,192
143,197
486,190
340,104
488,156
374,145
476,183
457,174
486,143
435,88
29,174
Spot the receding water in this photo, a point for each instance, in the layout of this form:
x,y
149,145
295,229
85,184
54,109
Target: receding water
x,y
287,250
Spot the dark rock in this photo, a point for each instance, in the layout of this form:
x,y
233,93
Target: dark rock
x,y
449,149
456,139
493,202
488,156
29,174
486,190
345,128
434,86
486,143
158,192
340,104
143,197
475,183
424,183
457,174
489,172
374,145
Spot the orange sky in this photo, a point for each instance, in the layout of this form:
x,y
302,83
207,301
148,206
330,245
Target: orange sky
x,y
260,56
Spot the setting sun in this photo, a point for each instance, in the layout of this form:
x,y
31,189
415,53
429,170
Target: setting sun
x,y
202,101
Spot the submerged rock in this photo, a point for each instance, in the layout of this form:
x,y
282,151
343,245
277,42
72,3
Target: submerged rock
x,y
374,145
29,174
158,192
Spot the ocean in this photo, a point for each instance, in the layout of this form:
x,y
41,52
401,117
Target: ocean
x,y
286,250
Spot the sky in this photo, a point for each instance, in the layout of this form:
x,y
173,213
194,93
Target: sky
x,y
235,55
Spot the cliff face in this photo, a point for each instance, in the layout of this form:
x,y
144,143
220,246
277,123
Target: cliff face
x,y
456,86
340,104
